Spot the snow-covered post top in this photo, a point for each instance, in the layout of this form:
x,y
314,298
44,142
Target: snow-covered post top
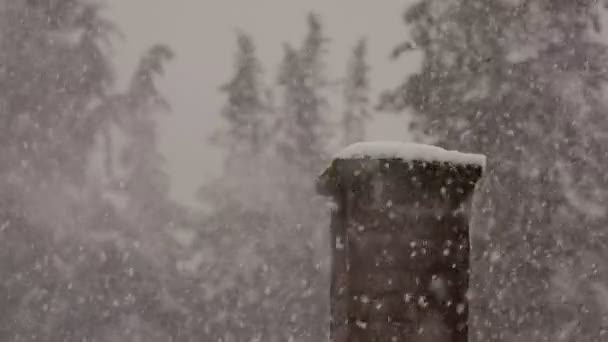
x,y
400,241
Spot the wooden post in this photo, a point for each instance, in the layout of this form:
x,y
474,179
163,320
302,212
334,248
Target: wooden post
x,y
400,242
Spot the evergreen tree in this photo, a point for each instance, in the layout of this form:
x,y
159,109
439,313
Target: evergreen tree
x,y
246,111
73,267
356,95
262,207
520,81
52,71
53,68
301,77
146,180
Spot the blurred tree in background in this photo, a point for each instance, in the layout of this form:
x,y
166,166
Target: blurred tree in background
x,y
77,259
91,246
246,110
522,81
264,239
356,95
303,131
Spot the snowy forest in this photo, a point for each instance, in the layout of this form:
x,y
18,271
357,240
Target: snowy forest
x,y
94,249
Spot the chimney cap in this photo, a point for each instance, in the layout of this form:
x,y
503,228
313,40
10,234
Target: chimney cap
x,y
365,157
407,152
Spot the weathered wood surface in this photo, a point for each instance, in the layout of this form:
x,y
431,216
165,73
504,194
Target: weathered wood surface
x,y
400,242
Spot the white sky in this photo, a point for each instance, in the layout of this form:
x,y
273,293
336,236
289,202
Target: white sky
x,y
201,32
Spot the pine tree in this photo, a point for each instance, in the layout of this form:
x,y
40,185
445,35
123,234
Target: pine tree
x,y
265,208
146,217
520,81
246,110
301,77
68,260
132,164
46,100
52,72
146,179
356,95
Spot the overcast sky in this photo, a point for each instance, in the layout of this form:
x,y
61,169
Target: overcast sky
x,y
202,32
